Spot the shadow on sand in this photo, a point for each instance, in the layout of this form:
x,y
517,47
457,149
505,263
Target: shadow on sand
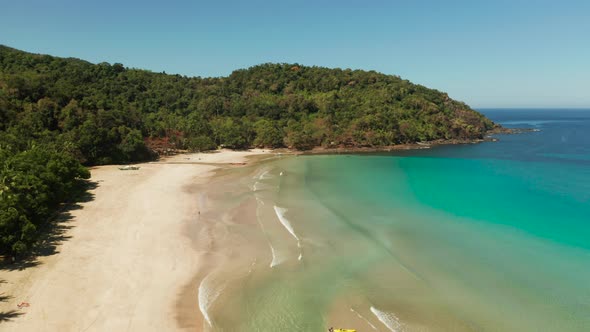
x,y
10,314
54,232
52,235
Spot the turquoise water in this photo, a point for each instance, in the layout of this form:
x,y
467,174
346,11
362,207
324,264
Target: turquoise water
x,y
486,237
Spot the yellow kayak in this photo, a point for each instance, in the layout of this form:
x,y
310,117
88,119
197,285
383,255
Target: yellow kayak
x,y
342,330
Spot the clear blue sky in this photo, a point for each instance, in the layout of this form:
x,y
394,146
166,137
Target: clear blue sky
x,y
492,53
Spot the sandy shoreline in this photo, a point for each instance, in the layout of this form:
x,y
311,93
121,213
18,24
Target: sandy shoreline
x,y
123,259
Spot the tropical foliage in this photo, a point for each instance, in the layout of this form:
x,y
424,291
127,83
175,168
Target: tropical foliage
x,y
57,113
106,111
33,183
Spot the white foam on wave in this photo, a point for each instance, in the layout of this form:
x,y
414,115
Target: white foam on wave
x,y
260,172
285,222
281,215
207,296
265,175
366,320
388,319
276,259
258,186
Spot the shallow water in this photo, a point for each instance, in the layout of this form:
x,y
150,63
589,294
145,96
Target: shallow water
x,y
486,237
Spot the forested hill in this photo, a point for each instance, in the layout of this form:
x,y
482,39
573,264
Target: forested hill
x,y
107,113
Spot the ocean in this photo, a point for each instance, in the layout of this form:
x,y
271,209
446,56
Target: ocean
x,y
477,237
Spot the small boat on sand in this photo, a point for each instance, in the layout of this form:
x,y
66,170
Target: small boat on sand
x,y
129,168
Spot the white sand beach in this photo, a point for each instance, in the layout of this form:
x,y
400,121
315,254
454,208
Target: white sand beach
x,y
124,259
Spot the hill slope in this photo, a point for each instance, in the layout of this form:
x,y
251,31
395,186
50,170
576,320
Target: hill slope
x,y
105,111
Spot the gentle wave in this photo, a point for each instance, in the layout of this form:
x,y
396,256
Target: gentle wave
x,y
366,320
388,319
285,222
276,258
265,175
281,215
258,186
208,295
260,173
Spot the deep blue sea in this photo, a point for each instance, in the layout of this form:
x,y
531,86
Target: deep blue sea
x,y
477,237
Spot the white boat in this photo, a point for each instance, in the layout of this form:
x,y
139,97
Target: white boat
x,y
129,168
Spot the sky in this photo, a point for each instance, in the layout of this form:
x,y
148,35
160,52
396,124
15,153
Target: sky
x,y
493,53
